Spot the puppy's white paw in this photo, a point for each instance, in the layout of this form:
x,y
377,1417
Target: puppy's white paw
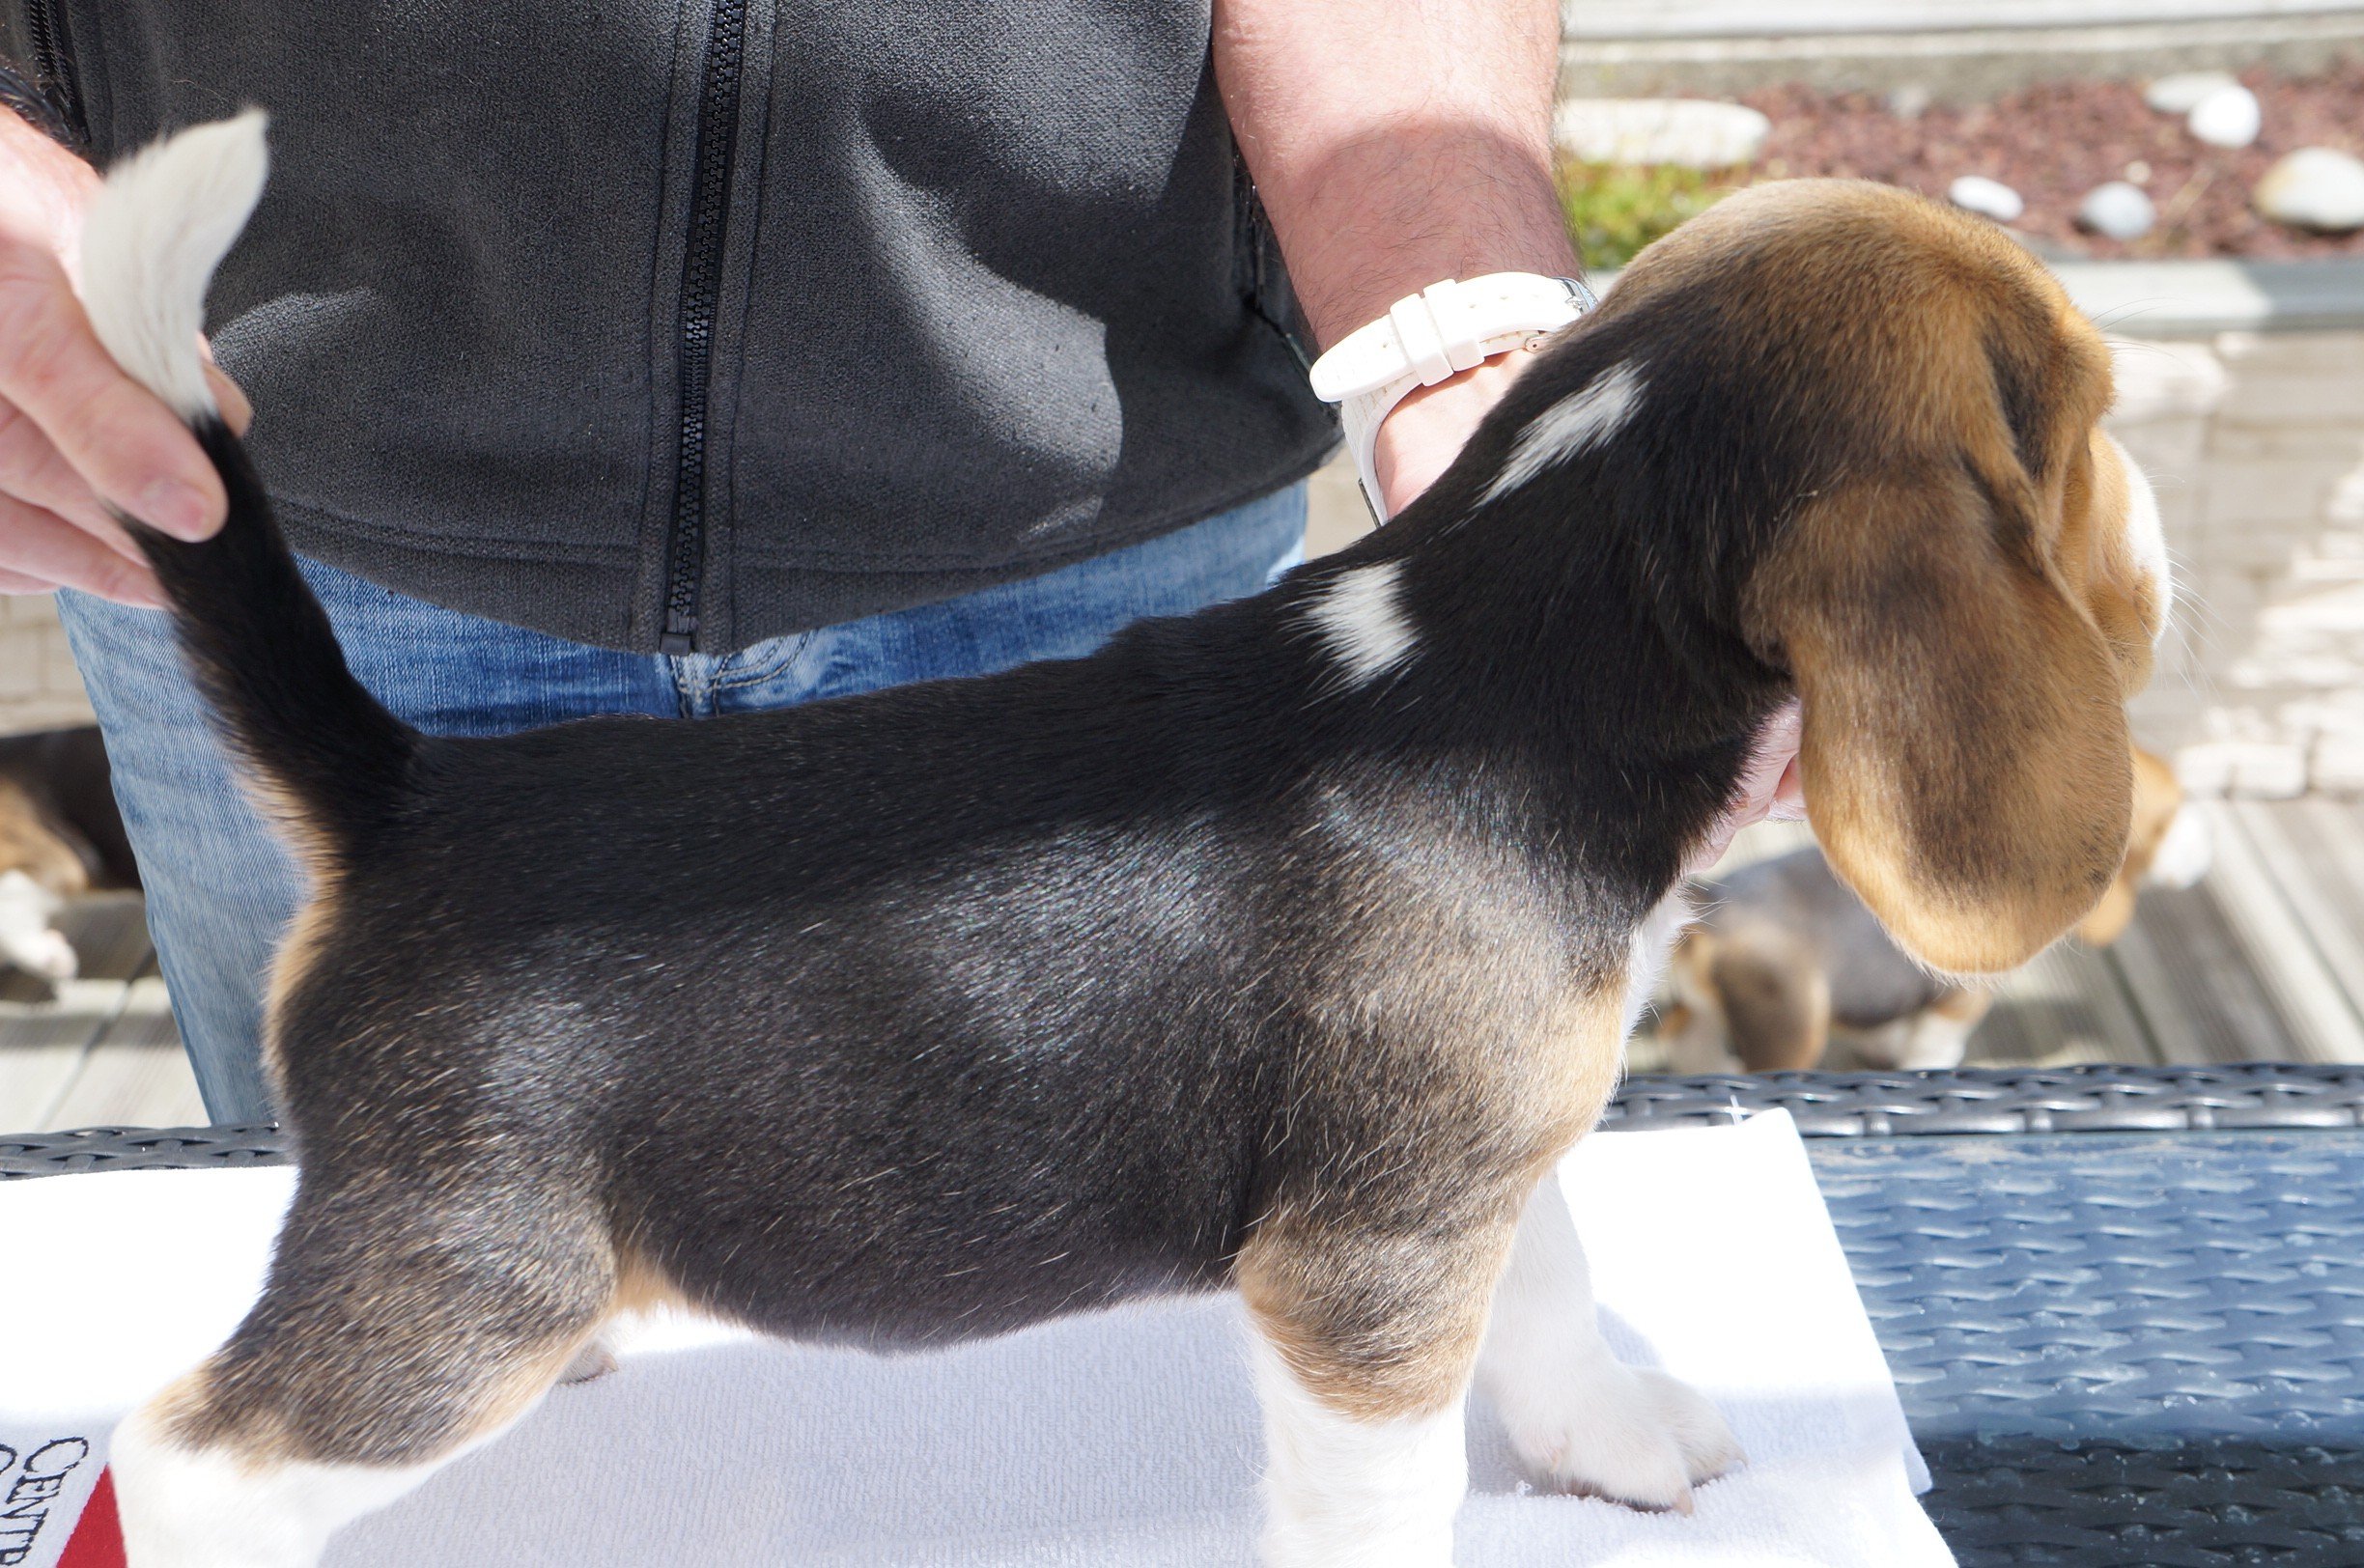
x,y
26,940
44,953
1627,1434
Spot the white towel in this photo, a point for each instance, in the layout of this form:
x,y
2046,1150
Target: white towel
x,y
1125,1438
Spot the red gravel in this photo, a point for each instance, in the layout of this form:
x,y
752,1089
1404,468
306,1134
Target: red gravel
x,y
2055,142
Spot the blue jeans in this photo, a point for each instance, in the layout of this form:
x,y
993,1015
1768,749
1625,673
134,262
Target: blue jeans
x,y
221,888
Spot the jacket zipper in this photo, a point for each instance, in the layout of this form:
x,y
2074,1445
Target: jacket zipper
x,y
701,285
56,82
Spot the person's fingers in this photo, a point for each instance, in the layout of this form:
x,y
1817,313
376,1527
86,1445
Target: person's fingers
x,y
1423,435
1767,786
235,411
47,548
1789,795
114,432
32,469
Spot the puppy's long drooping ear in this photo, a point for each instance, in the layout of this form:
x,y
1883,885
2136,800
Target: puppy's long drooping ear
x,y
1965,750
2158,799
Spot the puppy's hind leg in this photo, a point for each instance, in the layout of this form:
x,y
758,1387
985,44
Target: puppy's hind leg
x,y
1580,1418
398,1330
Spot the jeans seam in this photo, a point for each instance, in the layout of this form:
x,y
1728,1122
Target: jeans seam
x,y
771,668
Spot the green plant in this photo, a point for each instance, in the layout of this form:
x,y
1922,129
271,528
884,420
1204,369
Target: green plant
x,y
1616,209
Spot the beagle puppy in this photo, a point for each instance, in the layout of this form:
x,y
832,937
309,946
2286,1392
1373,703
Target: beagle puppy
x,y
59,835
1783,961
1282,947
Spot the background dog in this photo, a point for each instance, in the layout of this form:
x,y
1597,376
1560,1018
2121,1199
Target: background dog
x,y
1783,961
59,835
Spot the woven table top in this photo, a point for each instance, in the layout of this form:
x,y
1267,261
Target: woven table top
x,y
2130,1349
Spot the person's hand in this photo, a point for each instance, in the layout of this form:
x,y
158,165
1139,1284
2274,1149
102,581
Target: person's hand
x,y
1769,787
76,434
1423,435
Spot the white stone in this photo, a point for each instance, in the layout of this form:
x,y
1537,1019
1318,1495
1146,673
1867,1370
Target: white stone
x,y
2315,187
2269,772
2338,765
2181,92
1694,132
2117,210
2205,771
1990,198
2229,116
1909,101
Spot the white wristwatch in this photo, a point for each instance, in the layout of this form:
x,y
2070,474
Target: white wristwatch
x,y
1426,338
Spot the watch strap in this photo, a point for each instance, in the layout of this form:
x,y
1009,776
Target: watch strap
x,y
1429,337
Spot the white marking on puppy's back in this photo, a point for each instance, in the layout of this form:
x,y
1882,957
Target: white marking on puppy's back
x,y
1577,423
1360,617
157,230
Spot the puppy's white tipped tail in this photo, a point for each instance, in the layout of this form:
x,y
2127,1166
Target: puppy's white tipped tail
x,y
151,242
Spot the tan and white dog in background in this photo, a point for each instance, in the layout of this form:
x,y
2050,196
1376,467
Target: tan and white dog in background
x,y
1783,969
60,836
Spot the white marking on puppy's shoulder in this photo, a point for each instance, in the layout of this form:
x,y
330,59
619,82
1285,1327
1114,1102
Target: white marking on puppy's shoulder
x,y
1360,617
1577,423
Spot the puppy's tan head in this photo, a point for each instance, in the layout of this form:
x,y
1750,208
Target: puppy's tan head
x,y
1971,588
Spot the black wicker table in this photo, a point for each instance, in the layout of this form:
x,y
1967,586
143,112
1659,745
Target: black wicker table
x,y
2125,1306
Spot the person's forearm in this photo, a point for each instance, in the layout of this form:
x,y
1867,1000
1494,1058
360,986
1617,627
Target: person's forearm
x,y
1395,141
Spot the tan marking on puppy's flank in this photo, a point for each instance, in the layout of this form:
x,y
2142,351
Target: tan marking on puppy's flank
x,y
317,918
644,1288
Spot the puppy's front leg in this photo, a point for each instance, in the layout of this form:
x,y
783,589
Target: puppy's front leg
x,y
1364,1346
1579,1417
